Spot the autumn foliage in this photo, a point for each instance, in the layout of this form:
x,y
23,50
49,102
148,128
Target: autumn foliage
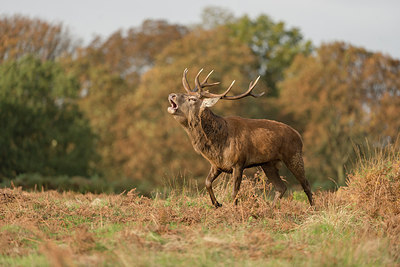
x,y
21,35
341,96
107,101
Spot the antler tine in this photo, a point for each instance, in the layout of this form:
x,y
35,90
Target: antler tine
x,y
205,84
197,82
208,75
247,93
185,81
209,84
229,88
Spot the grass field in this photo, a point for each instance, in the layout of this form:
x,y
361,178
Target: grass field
x,y
358,225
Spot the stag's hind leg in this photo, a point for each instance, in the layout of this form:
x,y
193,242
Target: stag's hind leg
x,y
296,165
237,175
272,172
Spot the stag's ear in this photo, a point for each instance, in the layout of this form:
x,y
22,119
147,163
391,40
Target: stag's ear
x,y
209,102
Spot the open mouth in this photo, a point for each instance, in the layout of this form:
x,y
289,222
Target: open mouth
x,y
174,106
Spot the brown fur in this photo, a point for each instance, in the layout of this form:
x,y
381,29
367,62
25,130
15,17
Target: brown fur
x,y
233,144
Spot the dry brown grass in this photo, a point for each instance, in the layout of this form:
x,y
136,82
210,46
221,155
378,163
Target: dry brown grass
x,y
357,225
374,188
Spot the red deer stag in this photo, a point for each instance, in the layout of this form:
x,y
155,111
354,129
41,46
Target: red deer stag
x,y
233,144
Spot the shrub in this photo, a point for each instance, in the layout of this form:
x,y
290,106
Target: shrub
x,y
75,183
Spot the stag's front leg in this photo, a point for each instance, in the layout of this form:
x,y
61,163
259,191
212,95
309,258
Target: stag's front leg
x,y
212,175
237,179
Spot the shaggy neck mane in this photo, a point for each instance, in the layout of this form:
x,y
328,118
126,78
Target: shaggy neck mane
x,y
208,131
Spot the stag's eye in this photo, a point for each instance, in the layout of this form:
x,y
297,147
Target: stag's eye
x,y
192,99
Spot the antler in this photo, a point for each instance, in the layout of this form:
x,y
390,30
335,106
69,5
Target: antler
x,y
199,87
224,95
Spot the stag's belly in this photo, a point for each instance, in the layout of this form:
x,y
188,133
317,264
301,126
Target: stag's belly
x,y
240,155
227,164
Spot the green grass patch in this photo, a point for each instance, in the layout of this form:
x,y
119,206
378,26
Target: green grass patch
x,y
71,221
31,260
109,230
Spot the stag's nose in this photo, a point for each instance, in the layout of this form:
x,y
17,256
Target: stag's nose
x,y
172,96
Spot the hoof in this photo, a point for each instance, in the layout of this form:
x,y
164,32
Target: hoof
x,y
217,205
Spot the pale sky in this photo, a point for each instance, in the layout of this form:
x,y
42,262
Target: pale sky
x,y
372,24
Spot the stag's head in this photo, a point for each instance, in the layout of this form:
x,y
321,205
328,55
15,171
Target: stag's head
x,y
184,107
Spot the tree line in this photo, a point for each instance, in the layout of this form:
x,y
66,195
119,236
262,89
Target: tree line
x,y
99,110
